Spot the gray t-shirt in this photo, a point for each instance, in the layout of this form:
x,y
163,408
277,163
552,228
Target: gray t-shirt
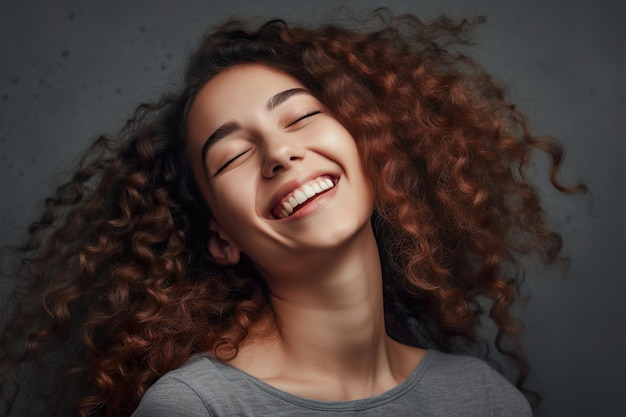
x,y
441,385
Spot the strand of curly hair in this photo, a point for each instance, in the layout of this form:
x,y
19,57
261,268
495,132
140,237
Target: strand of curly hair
x,y
116,268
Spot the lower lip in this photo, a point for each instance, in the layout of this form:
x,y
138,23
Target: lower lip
x,y
312,204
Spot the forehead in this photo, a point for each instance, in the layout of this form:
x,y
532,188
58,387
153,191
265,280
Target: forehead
x,y
239,88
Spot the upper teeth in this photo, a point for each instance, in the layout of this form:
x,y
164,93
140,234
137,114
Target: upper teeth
x,y
303,193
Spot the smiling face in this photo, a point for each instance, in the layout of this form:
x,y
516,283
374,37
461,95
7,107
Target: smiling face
x,y
282,176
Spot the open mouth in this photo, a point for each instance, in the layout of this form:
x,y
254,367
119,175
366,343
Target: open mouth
x,y
298,198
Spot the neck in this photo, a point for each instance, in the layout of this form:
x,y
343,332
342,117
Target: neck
x,y
330,325
333,315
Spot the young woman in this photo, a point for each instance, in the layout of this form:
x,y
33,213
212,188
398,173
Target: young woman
x,y
305,228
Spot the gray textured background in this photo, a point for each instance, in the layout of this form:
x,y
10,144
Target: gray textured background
x,y
72,69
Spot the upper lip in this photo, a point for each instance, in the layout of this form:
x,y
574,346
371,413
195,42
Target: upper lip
x,y
291,185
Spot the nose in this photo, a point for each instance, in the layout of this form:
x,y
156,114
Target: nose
x,y
280,154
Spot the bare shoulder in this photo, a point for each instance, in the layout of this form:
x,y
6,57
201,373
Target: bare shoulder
x,y
263,358
404,358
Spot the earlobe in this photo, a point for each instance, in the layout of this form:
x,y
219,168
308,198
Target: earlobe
x,y
222,250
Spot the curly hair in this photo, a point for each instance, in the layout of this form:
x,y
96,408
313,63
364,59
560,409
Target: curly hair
x,y
116,267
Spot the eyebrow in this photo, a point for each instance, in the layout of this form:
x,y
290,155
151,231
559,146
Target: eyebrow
x,y
220,133
283,96
230,127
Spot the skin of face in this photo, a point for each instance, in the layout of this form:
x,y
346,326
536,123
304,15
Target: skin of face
x,y
270,137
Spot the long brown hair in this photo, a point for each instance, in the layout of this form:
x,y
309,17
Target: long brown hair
x,y
116,269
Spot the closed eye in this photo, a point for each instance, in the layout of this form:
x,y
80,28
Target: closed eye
x,y
231,160
313,113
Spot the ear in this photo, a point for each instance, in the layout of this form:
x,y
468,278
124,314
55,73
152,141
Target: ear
x,y
223,251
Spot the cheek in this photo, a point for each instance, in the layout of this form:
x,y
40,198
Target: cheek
x,y
333,141
228,203
233,205
351,157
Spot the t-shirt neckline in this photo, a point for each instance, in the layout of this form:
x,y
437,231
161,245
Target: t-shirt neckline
x,y
358,404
